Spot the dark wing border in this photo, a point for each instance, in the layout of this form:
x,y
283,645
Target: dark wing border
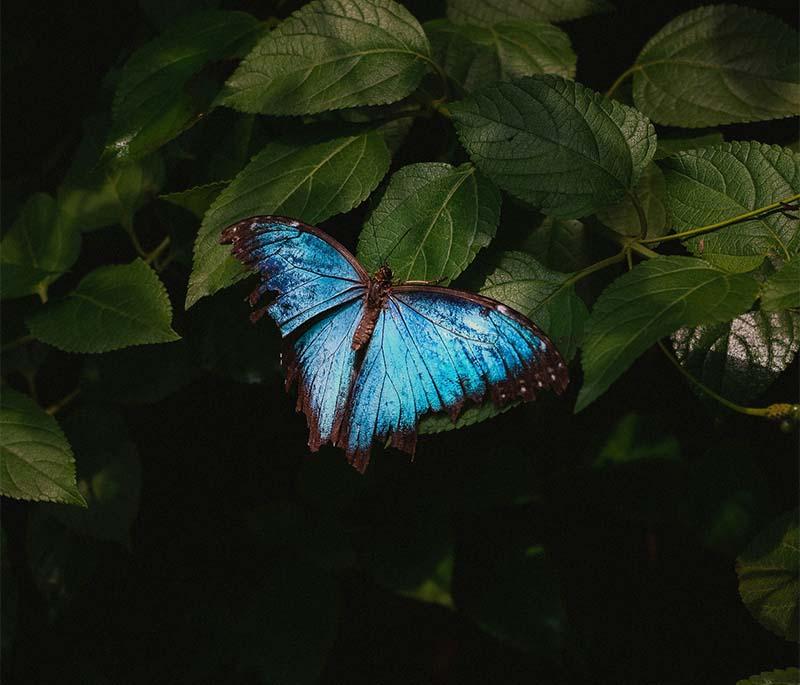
x,y
243,229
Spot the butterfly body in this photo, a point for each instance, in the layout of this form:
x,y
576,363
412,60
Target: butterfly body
x,y
371,357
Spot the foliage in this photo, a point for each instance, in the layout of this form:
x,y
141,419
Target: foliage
x,y
469,144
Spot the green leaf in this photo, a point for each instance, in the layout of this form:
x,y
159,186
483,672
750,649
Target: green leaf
x,y
695,72
37,249
310,183
159,93
714,184
782,289
788,676
109,476
633,439
473,56
741,358
555,143
196,200
650,193
332,54
559,244
768,576
431,221
37,462
112,307
649,302
543,295
489,12
671,146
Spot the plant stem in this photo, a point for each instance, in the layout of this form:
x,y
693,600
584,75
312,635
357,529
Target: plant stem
x,y
127,224
773,411
22,340
63,402
620,79
774,207
151,256
640,249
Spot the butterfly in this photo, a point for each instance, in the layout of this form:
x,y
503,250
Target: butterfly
x,y
370,356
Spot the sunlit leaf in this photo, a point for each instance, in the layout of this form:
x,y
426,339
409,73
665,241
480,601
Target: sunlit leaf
x,y
740,358
431,221
782,289
714,184
695,73
306,182
112,307
473,56
555,143
332,54
489,12
769,571
653,300
37,461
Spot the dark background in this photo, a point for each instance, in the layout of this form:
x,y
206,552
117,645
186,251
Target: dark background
x,y
250,556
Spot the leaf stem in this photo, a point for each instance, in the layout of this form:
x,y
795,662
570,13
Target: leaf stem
x,y
620,80
22,340
640,249
127,224
63,402
152,256
779,206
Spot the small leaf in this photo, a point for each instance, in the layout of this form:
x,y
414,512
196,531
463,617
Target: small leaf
x,y
768,576
112,307
37,249
431,221
788,676
196,200
441,422
157,96
489,12
782,289
714,184
109,476
695,72
473,56
649,302
332,54
559,244
650,193
633,439
672,146
741,358
306,182
37,462
555,143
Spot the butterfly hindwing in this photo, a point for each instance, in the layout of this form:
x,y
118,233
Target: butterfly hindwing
x,y
433,349
304,270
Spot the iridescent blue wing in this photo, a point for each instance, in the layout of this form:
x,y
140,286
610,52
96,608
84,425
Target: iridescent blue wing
x,y
434,348
315,290
305,271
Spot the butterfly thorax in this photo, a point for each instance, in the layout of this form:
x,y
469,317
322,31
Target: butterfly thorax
x,y
380,285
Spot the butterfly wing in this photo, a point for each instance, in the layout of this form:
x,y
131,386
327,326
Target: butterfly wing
x,y
305,271
316,290
433,348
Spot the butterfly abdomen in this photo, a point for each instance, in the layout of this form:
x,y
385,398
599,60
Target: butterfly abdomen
x,y
375,300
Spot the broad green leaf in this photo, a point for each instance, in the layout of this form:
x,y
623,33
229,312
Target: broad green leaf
x,y
740,358
112,307
695,72
654,299
196,200
555,143
160,92
650,193
782,289
109,475
787,676
768,576
671,146
37,249
332,54
489,12
543,295
431,221
310,183
715,184
633,439
37,462
473,56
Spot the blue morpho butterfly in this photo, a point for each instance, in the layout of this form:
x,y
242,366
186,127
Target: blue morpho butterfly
x,y
371,356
